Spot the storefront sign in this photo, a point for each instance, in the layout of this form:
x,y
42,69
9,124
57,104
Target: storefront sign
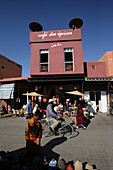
x,y
54,34
56,45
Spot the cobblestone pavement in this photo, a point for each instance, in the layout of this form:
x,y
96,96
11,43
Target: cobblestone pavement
x,y
93,145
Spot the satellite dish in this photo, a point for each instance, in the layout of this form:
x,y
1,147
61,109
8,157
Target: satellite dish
x,y
34,26
75,23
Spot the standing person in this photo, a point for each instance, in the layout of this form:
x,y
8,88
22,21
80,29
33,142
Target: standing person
x,y
54,100
33,134
52,116
36,111
79,116
75,103
80,101
67,106
29,109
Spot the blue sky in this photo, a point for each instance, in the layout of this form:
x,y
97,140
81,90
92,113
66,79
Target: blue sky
x,y
15,17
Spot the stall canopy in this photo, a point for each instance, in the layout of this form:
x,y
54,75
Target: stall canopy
x,y
7,91
76,93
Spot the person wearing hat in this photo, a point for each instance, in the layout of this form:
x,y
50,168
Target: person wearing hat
x,y
51,117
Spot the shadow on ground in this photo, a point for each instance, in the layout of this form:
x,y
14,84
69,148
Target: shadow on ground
x,y
47,150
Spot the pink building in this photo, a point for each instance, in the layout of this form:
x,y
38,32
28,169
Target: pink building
x,y
9,68
96,69
57,65
56,52
108,59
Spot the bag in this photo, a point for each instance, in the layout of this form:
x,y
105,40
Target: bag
x,y
78,165
62,164
53,163
69,167
89,166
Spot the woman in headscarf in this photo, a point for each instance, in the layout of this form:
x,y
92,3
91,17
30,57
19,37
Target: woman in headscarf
x,y
80,116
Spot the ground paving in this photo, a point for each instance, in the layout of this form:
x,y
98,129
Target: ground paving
x,y
93,145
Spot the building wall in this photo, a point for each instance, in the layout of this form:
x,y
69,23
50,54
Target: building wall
x,y
99,71
108,59
8,68
55,42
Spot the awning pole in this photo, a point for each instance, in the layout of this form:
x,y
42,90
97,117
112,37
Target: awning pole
x,y
27,97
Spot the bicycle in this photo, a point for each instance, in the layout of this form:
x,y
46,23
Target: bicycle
x,y
64,130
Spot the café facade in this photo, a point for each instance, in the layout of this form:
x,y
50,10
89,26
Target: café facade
x,y
57,66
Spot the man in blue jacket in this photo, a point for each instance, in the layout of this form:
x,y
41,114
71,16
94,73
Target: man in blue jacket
x,y
29,109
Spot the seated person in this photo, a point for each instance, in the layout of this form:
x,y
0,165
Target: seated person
x,y
60,106
52,116
56,109
67,106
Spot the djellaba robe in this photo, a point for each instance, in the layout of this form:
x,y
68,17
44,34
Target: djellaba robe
x,y
80,116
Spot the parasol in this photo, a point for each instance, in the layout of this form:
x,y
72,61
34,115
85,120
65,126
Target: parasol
x,y
32,94
76,93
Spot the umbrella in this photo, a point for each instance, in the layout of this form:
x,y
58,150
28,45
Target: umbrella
x,y
76,93
32,94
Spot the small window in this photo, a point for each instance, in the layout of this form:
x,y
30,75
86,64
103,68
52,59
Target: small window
x,y
93,67
44,60
68,59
